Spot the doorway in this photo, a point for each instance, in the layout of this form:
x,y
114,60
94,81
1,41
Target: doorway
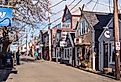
x,y
105,55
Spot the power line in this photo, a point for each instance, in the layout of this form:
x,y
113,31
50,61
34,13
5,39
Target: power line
x,y
88,2
102,4
63,9
57,4
109,6
75,5
52,22
95,5
71,3
57,13
96,2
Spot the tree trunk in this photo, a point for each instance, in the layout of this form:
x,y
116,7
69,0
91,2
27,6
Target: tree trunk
x,y
5,46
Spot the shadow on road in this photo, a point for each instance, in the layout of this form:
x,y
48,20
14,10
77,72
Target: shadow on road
x,y
4,73
25,59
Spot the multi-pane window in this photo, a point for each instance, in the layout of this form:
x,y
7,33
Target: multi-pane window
x,y
68,53
66,24
83,27
71,52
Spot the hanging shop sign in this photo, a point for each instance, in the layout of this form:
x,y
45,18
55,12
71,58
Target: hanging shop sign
x,y
63,43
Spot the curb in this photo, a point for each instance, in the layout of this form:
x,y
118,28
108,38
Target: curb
x,y
96,72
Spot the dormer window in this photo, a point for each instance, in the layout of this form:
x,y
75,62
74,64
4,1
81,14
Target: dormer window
x,y
66,24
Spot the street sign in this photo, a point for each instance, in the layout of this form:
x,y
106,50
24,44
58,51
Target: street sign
x,y
63,43
117,45
5,16
41,45
63,36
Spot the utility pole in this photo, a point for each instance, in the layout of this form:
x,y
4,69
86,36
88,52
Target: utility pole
x,y
116,41
26,43
49,32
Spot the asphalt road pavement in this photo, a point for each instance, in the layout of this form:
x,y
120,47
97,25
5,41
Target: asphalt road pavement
x,y
46,71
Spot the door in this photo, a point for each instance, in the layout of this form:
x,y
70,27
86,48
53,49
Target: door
x,y
105,57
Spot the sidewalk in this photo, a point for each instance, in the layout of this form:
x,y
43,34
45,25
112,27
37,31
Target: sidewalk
x,y
96,72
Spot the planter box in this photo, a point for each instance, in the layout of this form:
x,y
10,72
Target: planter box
x,y
107,70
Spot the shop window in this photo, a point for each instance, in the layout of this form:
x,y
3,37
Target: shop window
x,y
113,56
68,53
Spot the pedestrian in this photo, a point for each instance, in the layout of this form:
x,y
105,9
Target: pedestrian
x,y
35,54
18,58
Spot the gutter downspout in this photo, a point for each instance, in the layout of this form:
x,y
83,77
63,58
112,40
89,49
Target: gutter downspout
x,y
93,46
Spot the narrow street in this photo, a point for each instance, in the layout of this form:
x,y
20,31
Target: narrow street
x,y
45,71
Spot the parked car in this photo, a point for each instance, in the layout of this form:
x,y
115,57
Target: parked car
x,y
9,59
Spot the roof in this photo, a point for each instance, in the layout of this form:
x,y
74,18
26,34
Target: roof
x,y
103,20
98,19
73,12
64,29
44,31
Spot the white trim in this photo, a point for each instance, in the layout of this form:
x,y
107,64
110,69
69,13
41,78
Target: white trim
x,y
101,35
101,56
119,20
70,55
108,52
109,22
1,46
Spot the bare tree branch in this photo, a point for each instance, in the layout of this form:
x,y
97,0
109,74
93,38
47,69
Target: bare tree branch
x,y
30,11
